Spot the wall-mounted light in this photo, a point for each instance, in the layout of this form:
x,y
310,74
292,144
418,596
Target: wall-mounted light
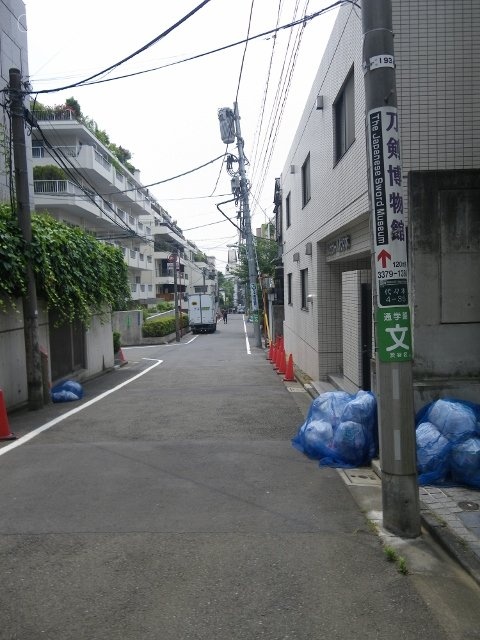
x,y
296,257
310,298
308,249
292,168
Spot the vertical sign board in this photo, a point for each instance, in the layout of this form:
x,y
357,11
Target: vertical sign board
x,y
254,297
391,276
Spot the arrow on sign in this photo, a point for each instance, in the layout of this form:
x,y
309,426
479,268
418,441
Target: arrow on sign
x,y
384,256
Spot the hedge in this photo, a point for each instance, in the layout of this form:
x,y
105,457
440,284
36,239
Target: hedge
x,y
160,327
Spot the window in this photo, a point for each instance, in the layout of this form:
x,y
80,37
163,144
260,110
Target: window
x,y
306,190
289,288
304,287
287,211
344,118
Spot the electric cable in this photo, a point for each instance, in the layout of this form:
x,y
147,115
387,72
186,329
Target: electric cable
x,y
277,98
132,55
87,82
244,50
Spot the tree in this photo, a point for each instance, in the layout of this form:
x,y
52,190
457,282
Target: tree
x,y
266,253
226,284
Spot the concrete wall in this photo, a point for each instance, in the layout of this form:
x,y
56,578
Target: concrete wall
x,y
13,376
99,348
445,241
129,325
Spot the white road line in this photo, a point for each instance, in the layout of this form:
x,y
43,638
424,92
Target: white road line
x,y
52,423
249,352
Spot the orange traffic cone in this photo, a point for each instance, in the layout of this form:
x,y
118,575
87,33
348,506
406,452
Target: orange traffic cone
x,y
121,358
282,362
270,351
289,377
275,355
5,433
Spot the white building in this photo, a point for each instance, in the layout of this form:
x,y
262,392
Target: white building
x,y
100,195
324,207
97,193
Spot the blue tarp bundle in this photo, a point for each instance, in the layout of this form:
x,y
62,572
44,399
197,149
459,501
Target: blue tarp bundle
x,y
448,443
67,391
340,429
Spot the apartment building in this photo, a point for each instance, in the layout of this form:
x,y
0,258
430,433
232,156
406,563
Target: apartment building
x,y
84,185
13,55
322,204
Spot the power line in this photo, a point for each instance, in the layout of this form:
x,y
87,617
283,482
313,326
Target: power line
x,y
245,49
87,82
132,55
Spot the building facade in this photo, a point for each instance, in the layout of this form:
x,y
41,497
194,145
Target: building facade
x,y
322,204
13,55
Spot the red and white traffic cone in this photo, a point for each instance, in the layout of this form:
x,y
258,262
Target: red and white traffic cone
x,y
5,433
289,377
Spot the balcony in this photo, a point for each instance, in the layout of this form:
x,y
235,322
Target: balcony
x,y
63,196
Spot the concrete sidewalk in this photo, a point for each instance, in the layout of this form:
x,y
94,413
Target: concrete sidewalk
x,y
450,514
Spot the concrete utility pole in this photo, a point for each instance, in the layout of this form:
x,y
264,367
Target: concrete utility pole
x,y
252,271
401,512
30,310
176,260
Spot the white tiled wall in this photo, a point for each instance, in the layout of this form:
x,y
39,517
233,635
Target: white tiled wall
x,y
437,47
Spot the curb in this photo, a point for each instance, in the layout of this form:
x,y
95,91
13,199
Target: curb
x,y
452,544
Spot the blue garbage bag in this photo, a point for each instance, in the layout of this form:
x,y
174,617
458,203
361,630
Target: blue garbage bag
x,y
67,391
465,462
340,429
458,423
317,437
349,443
433,452
329,406
454,419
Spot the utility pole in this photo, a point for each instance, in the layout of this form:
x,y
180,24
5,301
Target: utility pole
x,y
252,271
401,511
30,310
176,260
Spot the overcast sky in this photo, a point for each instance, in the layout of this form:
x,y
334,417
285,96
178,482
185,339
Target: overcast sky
x,y
168,118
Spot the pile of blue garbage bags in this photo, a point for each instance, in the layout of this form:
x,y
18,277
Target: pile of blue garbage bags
x,y
67,391
340,429
448,443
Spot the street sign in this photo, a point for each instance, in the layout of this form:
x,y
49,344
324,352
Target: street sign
x,y
394,339
387,197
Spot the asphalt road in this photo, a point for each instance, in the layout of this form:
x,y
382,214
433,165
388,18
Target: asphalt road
x,y
169,504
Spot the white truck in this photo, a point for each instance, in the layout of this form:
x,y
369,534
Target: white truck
x,y
202,312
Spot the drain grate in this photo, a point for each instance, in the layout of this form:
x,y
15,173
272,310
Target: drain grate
x,y
360,477
469,506
296,390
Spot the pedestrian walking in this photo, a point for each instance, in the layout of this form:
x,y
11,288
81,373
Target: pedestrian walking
x,y
225,316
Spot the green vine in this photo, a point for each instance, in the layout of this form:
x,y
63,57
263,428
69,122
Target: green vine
x,y
76,274
12,262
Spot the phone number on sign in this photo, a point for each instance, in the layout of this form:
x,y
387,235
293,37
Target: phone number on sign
x,y
390,273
